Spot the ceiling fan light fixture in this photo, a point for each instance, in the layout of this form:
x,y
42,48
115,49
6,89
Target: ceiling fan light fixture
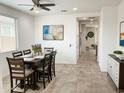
x,y
36,11
36,8
85,18
75,9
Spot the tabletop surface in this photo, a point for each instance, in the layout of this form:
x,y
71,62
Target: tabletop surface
x,y
29,58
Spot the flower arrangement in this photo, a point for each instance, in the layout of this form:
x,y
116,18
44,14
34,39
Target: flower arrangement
x,y
37,48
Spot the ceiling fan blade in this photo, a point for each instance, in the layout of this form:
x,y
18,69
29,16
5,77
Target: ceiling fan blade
x,y
32,9
47,4
36,1
25,5
45,8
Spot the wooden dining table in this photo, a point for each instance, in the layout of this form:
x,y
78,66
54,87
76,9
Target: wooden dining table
x,y
35,61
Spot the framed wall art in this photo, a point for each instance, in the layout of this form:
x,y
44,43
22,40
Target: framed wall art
x,y
53,32
122,33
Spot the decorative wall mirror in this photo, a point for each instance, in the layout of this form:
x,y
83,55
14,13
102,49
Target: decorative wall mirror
x,y
90,34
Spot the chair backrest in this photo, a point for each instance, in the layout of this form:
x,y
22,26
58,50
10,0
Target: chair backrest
x,y
27,51
53,55
48,49
16,68
47,60
17,54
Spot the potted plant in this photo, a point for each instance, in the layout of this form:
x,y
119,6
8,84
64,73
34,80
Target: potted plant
x,y
34,48
37,49
118,53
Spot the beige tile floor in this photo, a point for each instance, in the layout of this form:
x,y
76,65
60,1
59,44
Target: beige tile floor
x,y
84,77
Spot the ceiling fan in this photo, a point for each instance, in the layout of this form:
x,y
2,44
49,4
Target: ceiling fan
x,y
38,5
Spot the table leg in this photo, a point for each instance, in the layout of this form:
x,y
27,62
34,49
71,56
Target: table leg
x,y
35,86
21,84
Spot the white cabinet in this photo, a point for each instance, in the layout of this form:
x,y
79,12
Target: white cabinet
x,y
116,73
115,69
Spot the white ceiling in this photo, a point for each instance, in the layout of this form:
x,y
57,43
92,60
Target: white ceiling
x,y
82,5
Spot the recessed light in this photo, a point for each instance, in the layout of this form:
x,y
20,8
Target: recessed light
x,y
75,9
36,11
84,18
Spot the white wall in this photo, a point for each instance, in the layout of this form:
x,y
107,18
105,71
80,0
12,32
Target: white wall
x,y
66,54
107,35
25,23
83,38
109,32
120,11
120,19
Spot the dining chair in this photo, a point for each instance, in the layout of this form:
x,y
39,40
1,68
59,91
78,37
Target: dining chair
x,y
27,51
48,49
17,54
18,72
44,70
53,72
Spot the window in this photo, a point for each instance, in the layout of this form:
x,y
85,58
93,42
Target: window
x,y
7,34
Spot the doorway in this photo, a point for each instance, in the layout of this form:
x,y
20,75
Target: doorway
x,y
88,35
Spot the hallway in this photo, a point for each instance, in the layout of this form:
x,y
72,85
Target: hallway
x,y
84,77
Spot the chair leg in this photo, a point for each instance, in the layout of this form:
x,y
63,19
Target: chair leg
x,y
31,79
28,81
44,79
49,77
21,84
54,71
50,73
11,91
11,85
24,86
16,82
37,76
